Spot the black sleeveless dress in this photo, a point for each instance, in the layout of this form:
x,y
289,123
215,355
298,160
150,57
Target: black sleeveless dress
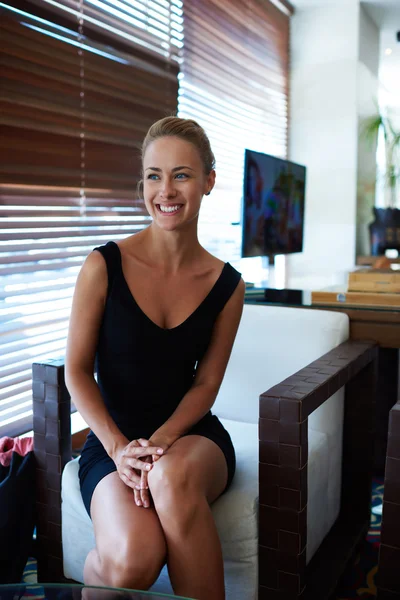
x,y
144,371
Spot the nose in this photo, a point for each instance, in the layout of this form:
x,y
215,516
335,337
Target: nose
x,y
168,188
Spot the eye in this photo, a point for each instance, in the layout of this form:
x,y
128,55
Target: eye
x,y
152,176
182,176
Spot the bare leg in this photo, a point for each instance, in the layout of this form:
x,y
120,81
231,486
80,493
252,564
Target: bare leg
x,y
195,562
92,569
183,483
130,544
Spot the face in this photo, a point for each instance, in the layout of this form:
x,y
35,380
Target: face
x,y
174,182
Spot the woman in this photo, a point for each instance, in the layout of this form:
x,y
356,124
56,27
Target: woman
x,y
160,315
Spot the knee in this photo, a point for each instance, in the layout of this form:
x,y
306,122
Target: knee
x,y
135,569
169,480
174,493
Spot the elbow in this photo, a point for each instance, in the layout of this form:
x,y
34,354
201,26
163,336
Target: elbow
x,y
209,388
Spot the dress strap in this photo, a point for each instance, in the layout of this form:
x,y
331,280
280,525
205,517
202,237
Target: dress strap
x,y
112,257
223,290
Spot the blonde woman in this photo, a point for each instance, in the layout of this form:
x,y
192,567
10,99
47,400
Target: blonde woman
x,y
159,314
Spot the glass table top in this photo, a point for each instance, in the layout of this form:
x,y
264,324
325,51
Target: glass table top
x,y
55,591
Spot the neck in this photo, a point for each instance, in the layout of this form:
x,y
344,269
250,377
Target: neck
x,y
171,250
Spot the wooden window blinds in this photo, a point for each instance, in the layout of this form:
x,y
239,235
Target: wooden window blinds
x,y
234,81
81,83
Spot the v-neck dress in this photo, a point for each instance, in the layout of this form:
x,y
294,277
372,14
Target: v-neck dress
x,y
144,371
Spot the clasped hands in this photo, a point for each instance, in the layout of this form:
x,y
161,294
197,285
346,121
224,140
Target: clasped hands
x,y
134,461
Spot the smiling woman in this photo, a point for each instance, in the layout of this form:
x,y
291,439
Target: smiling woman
x,y
156,298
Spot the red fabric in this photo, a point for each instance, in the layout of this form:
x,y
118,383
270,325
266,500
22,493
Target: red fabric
x,y
9,445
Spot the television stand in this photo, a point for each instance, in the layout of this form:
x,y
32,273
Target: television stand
x,y
275,295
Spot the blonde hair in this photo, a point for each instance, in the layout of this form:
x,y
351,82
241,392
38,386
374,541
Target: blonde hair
x,y
185,129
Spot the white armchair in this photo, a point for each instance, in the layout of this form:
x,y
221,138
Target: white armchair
x,y
278,523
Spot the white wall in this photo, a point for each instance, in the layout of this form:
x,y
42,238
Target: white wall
x,y
368,42
325,79
367,105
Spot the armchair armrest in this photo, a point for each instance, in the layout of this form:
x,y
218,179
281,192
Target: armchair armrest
x,y
283,456
52,448
389,550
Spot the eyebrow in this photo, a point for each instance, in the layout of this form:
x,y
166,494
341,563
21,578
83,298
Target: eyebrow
x,y
173,170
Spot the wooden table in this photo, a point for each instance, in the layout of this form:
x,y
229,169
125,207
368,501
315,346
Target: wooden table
x,y
382,326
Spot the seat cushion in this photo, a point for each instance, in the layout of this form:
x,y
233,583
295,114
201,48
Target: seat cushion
x,y
235,512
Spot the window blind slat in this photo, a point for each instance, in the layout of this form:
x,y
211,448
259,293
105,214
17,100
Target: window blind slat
x,y
74,108
18,346
119,27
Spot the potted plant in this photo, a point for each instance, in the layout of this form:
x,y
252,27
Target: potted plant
x,y
385,229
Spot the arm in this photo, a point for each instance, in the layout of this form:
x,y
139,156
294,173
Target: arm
x,y
85,321
209,375
86,315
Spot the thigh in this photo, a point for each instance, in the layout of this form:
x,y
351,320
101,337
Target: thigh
x,y
202,460
122,527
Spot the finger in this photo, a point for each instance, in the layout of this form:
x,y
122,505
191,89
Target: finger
x,y
127,480
138,500
145,498
138,464
144,493
146,451
143,442
130,474
139,443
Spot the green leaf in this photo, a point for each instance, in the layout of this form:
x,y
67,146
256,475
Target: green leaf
x,y
370,128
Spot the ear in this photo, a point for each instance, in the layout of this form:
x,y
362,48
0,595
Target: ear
x,y
139,188
210,182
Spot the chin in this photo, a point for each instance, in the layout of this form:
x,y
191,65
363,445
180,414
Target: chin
x,y
167,226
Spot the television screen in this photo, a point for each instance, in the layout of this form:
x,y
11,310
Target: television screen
x,y
273,205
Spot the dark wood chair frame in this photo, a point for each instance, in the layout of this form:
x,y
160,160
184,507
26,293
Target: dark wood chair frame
x,y
283,460
389,550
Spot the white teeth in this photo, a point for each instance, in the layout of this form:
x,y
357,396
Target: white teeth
x,y
169,208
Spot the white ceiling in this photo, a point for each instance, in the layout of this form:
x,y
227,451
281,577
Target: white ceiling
x,y
385,13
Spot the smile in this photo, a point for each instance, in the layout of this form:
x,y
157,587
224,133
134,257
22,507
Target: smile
x,y
169,210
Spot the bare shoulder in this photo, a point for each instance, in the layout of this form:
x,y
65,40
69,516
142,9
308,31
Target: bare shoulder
x,y
241,288
211,261
218,265
93,276
236,301
94,265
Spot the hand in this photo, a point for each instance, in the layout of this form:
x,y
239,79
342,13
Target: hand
x,y
161,441
141,492
142,495
128,460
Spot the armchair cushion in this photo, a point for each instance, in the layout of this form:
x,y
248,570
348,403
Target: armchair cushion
x,y
272,343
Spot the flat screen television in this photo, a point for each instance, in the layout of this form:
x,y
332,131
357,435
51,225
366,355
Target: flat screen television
x,y
273,205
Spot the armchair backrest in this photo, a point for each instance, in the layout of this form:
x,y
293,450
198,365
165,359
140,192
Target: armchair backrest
x,y
274,342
